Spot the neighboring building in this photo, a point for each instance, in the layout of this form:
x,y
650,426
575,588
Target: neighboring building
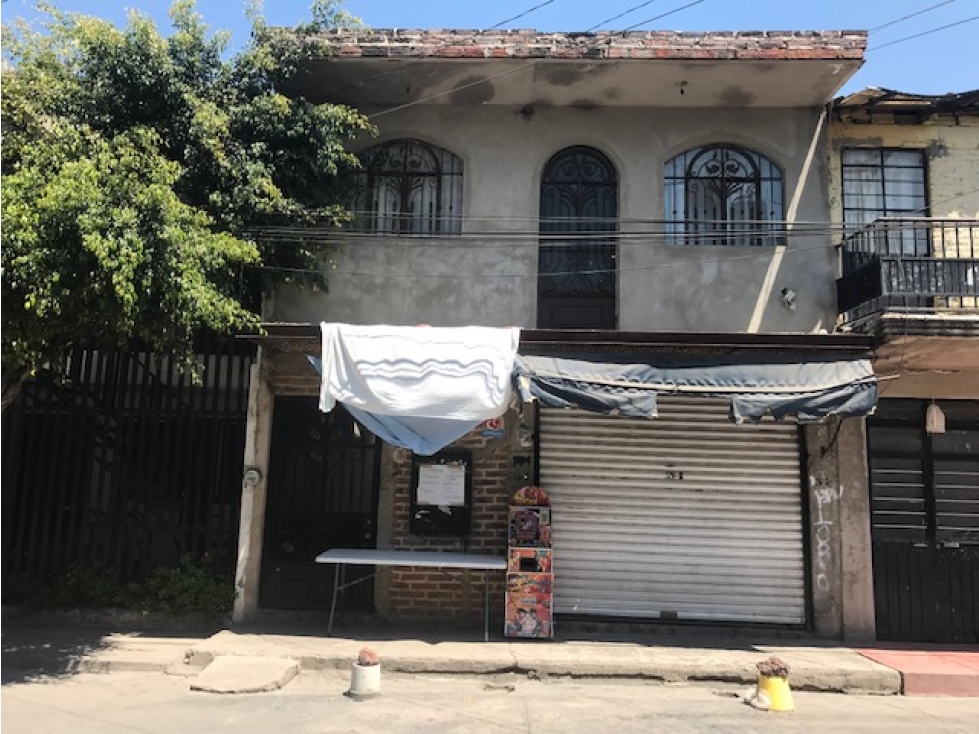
x,y
904,181
649,197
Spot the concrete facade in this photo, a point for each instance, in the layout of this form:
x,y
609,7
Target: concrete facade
x,y
505,133
491,280
841,575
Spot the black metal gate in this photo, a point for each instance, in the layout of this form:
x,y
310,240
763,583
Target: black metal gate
x,y
125,463
576,273
322,493
925,507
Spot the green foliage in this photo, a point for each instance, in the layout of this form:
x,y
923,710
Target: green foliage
x,y
136,166
191,587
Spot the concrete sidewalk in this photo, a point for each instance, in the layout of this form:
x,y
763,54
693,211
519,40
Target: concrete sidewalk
x,y
32,651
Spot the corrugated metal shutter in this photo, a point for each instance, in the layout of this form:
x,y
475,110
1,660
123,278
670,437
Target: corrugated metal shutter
x,y
687,516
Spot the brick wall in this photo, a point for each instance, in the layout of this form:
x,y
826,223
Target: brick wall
x,y
528,44
456,596
500,466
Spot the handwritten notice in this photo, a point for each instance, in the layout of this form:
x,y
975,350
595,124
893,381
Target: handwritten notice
x,y
442,484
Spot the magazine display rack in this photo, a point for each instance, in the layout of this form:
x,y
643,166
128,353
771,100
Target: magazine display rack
x,y
530,576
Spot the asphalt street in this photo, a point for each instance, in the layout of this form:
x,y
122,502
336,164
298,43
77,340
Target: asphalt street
x,y
151,703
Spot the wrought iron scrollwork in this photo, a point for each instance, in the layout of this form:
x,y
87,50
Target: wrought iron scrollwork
x,y
578,219
410,187
724,195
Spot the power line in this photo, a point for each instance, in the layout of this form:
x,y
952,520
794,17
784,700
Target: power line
x,y
520,15
456,243
662,15
762,253
923,33
633,9
503,73
417,61
430,97
912,15
493,240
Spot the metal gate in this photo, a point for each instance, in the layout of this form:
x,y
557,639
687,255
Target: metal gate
x,y
125,463
576,281
925,506
683,517
322,493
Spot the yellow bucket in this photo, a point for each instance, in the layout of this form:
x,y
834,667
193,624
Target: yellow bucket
x,y
778,692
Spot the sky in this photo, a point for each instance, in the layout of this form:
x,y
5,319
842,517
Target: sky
x,y
944,61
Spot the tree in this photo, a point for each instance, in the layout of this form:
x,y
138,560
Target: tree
x,y
136,170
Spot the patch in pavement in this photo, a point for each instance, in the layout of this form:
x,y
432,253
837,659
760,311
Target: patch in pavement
x,y
242,674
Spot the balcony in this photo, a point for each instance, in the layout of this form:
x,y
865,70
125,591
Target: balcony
x,y
921,266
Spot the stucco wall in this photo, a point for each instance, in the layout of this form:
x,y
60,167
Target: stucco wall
x,y
491,281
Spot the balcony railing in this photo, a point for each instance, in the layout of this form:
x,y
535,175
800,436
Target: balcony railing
x,y
909,263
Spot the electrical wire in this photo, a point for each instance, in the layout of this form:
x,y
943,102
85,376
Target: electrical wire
x,y
923,33
430,97
662,15
628,11
912,15
520,15
408,65
765,253
502,73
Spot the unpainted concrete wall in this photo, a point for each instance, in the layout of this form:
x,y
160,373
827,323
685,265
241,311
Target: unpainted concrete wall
x,y
493,282
839,530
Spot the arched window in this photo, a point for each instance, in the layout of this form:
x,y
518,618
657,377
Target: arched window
x,y
578,220
409,187
723,195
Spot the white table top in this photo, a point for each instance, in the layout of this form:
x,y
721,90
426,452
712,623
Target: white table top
x,y
435,559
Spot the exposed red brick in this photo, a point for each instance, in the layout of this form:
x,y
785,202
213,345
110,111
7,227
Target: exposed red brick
x,y
605,44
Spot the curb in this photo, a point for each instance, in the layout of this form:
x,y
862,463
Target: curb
x,y
881,682
43,667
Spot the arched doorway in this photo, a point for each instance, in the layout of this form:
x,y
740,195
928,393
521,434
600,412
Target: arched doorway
x,y
576,275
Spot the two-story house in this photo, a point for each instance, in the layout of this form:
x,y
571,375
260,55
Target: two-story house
x,y
650,208
904,184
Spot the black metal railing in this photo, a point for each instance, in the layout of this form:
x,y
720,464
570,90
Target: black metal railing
x,y
919,262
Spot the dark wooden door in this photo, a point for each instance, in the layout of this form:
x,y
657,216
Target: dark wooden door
x,y
322,494
925,510
576,274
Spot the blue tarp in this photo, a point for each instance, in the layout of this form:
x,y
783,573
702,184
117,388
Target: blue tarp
x,y
806,387
802,386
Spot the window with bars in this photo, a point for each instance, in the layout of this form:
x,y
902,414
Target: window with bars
x,y
886,183
723,195
409,187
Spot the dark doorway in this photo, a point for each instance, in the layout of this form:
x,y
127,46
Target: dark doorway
x,y
576,273
322,494
925,509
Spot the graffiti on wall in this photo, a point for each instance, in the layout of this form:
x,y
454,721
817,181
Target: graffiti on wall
x,y
825,533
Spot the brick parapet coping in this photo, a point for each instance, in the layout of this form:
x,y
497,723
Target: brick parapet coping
x,y
472,44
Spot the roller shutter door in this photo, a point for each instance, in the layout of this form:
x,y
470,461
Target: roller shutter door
x,y
686,516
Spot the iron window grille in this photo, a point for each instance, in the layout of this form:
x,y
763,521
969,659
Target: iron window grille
x,y
723,195
408,187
